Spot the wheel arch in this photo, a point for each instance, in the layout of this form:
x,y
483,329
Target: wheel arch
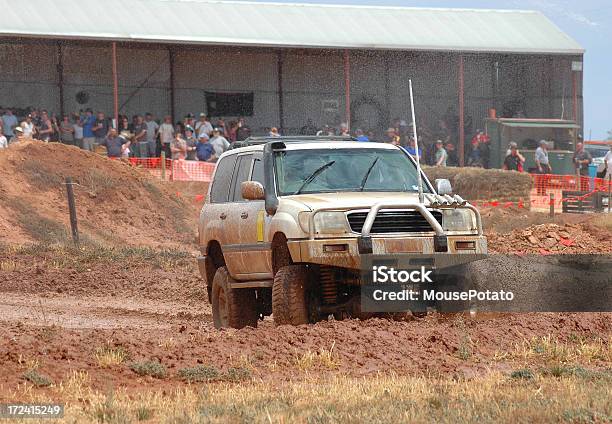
x,y
214,261
281,256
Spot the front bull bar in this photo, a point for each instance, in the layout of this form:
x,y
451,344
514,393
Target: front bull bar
x,y
440,237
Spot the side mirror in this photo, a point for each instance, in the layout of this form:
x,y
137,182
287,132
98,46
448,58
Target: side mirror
x,y
443,186
252,190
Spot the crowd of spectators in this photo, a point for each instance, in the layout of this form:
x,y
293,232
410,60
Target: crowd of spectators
x,y
143,136
197,138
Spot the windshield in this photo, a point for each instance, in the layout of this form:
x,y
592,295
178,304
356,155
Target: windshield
x,y
340,170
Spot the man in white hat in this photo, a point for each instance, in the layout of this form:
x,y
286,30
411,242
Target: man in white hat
x,y
19,135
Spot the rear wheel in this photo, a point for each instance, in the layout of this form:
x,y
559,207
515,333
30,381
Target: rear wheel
x,y
290,295
234,308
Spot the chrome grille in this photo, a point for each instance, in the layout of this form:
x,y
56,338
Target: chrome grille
x,y
393,222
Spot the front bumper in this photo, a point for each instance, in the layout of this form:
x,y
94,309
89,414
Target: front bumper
x,y
345,252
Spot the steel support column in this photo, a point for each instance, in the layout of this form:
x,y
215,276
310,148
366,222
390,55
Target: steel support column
x,y
575,95
60,78
115,86
281,100
171,60
347,89
461,113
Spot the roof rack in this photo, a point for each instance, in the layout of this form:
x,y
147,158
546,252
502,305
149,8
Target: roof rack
x,y
255,141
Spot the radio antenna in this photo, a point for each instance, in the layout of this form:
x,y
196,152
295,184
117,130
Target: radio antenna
x,y
416,144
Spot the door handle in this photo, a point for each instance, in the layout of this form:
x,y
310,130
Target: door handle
x,y
244,215
223,215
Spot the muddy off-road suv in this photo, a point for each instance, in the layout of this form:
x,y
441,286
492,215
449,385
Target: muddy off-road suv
x,y
288,221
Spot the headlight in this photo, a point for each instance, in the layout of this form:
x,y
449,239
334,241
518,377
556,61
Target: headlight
x,y
331,223
303,218
458,220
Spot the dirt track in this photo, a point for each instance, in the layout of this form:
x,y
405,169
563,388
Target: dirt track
x,y
59,306
59,313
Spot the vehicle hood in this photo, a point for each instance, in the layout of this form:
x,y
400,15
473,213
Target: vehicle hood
x,y
352,200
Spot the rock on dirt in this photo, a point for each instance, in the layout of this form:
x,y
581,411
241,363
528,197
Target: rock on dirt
x,y
552,239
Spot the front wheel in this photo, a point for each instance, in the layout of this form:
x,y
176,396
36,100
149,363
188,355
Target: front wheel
x,y
233,308
290,295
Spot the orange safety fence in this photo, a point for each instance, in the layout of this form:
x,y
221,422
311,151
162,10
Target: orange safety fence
x,y
176,170
543,184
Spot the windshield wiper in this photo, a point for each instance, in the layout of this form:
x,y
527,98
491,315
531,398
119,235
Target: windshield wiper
x,y
314,175
367,175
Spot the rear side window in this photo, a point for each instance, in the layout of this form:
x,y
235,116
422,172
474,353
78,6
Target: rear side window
x,y
219,192
242,174
258,171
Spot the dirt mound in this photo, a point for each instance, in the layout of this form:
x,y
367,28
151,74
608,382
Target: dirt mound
x,y
116,203
484,184
552,238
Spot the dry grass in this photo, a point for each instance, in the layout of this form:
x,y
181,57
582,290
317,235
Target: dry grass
x,y
8,265
324,358
603,221
492,398
109,356
549,349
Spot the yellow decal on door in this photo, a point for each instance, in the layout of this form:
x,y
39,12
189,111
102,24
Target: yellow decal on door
x,y
260,225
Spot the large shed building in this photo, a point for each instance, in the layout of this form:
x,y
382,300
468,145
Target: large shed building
x,y
282,64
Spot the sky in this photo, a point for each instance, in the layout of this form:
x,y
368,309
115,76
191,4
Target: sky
x,y
587,21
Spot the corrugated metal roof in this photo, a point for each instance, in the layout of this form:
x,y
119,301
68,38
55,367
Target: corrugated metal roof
x,y
286,25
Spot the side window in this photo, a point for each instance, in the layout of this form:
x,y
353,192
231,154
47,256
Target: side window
x,y
242,174
220,189
258,172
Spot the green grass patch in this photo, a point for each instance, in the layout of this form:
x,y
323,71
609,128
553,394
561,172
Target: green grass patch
x,y
37,379
149,368
523,374
199,374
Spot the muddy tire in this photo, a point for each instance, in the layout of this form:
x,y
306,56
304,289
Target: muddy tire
x,y
289,295
234,308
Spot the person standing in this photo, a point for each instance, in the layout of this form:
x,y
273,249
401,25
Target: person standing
x,y
218,143
124,124
178,147
100,129
140,137
204,151
89,137
203,126
66,129
360,136
152,131
608,162
344,130
441,155
411,149
3,140
514,161
78,131
582,159
19,136
115,145
243,132
166,134
190,144
9,122
27,127
46,127
541,158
